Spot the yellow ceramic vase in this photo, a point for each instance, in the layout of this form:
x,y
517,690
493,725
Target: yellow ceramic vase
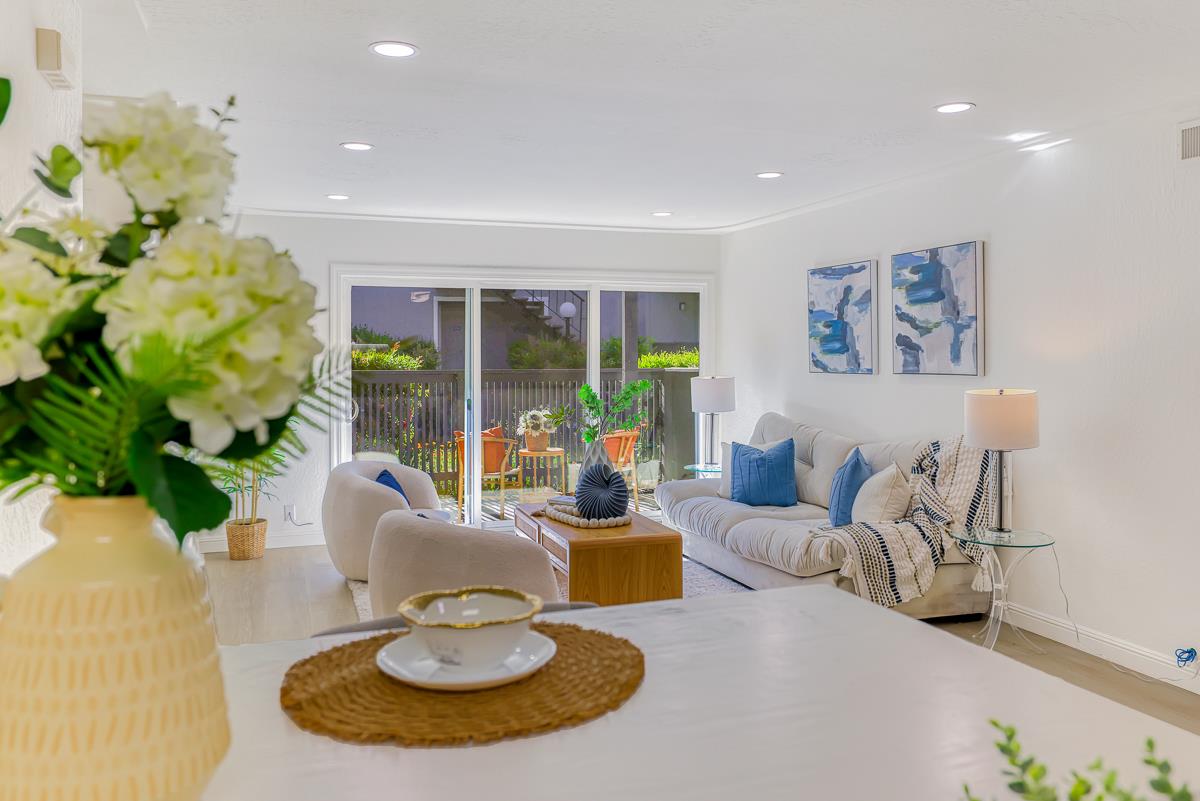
x,y
110,685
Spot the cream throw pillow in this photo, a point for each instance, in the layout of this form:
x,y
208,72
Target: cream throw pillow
x,y
884,498
726,488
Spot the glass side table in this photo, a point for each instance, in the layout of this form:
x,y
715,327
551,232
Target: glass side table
x,y
702,470
1026,542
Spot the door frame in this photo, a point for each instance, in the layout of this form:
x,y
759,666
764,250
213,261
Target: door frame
x,y
343,276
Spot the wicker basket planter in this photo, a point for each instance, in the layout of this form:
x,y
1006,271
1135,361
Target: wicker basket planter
x,y
247,539
537,442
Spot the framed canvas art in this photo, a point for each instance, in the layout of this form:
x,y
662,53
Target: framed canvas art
x,y
841,318
937,310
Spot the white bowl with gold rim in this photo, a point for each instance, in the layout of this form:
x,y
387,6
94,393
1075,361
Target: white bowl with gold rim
x,y
471,628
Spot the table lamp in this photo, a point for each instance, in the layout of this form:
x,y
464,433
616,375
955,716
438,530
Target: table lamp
x,y
1001,420
711,395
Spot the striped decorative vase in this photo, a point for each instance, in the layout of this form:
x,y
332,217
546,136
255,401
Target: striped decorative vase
x,y
110,685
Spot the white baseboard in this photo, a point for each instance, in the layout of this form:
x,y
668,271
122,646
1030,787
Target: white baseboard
x,y
1122,652
215,542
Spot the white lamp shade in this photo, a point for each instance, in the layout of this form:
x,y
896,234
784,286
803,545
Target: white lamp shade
x,y
1001,419
712,394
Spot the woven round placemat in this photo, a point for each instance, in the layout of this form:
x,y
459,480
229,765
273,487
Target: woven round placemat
x,y
341,693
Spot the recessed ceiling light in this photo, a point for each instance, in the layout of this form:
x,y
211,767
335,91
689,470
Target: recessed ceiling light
x,y
1024,136
1045,145
358,146
955,108
769,175
394,49
661,213
338,197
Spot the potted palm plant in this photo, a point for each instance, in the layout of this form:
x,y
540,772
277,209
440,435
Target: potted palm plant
x,y
245,482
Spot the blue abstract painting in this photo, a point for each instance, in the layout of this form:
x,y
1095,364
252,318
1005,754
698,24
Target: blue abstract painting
x,y
841,318
937,315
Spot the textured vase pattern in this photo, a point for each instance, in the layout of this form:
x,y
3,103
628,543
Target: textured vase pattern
x,y
595,453
601,493
110,684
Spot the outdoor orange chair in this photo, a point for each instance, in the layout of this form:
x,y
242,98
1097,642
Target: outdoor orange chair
x,y
622,447
497,461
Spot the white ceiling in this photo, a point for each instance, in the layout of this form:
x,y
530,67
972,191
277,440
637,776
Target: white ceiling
x,y
598,112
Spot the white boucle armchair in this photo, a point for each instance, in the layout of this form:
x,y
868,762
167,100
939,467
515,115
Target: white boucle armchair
x,y
354,502
412,554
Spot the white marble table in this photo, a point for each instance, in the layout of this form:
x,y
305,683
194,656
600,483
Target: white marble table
x,y
785,694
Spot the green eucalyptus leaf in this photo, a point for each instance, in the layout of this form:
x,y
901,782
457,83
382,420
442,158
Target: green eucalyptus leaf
x,y
246,446
125,246
181,492
36,237
82,318
61,170
5,97
51,185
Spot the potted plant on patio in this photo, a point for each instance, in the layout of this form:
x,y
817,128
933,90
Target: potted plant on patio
x,y
599,418
536,425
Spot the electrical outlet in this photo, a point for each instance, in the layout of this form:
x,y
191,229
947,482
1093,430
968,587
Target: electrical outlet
x,y
289,515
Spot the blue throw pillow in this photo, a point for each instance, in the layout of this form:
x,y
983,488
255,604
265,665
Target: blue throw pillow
x,y
386,478
763,478
847,481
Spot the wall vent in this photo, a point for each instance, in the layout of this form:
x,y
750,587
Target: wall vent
x,y
1189,137
54,60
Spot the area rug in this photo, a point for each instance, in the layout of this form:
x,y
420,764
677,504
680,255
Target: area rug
x,y
698,580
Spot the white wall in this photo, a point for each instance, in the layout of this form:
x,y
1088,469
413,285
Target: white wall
x,y
39,118
315,243
1092,280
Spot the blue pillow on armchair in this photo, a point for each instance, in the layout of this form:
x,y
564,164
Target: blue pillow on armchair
x,y
847,481
763,478
386,478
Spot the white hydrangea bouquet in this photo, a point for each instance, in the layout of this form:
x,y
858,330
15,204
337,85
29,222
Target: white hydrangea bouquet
x,y
131,359
538,421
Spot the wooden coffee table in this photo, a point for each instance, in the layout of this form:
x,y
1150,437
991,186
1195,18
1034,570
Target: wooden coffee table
x,y
642,561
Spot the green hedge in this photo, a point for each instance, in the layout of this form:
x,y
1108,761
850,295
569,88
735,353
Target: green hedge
x,y
384,360
685,357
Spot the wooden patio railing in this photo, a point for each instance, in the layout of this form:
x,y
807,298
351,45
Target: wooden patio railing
x,y
416,413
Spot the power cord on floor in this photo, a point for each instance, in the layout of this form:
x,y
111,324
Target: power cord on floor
x,y
1183,656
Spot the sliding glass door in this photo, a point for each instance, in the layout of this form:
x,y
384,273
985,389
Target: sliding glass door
x,y
409,357
475,381
652,336
534,360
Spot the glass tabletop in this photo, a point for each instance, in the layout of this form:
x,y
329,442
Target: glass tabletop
x,y
702,468
1016,538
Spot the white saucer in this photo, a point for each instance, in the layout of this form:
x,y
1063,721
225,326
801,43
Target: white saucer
x,y
408,660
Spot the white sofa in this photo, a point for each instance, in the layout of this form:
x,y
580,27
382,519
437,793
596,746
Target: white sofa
x,y
771,546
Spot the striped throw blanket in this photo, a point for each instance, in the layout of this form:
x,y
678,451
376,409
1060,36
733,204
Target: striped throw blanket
x,y
891,563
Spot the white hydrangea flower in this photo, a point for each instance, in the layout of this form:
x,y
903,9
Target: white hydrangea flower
x,y
199,282
30,298
163,156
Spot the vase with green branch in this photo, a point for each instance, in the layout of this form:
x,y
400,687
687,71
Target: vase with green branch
x,y
132,358
599,418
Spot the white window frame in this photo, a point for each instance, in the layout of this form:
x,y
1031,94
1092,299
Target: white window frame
x,y
346,275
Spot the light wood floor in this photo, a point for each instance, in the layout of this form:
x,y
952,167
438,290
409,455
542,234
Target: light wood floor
x,y
289,594
292,593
